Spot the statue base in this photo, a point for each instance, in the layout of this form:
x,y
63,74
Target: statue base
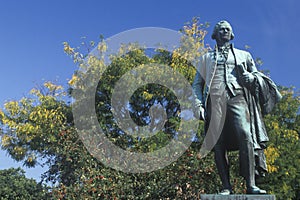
x,y
237,197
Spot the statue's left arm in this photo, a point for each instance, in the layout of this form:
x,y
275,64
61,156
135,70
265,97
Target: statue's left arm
x,y
248,69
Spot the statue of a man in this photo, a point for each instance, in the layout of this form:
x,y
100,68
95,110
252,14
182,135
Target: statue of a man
x,y
232,97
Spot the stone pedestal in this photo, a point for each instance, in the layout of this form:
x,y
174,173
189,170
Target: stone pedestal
x,y
236,197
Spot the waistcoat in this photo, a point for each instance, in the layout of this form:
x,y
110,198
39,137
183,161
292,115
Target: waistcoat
x,y
225,78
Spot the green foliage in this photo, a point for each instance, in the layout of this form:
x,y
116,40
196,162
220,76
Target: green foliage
x,y
14,185
41,126
33,128
283,153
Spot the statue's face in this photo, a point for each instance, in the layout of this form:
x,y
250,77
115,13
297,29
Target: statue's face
x,y
224,33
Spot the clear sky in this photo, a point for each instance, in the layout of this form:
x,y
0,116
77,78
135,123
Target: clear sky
x,y
32,33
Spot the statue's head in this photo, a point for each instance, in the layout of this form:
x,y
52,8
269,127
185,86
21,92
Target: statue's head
x,y
217,27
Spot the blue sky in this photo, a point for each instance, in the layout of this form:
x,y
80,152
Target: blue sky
x,y
32,33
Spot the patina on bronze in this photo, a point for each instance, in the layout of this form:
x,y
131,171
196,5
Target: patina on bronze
x,y
233,95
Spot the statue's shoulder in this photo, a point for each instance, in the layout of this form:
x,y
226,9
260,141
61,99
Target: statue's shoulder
x,y
242,55
240,51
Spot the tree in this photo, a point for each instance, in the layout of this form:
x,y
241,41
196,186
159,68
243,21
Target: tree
x,y
41,125
14,185
283,152
33,127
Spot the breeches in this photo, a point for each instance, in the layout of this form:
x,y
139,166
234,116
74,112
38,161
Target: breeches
x,y
229,129
229,121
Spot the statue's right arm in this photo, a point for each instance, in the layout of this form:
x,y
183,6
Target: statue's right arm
x,y
198,87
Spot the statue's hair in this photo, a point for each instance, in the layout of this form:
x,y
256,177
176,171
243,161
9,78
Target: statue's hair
x,y
217,26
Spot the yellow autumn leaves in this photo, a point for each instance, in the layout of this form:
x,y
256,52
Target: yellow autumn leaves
x,y
73,80
272,154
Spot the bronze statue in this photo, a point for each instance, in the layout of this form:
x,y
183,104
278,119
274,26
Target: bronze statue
x,y
232,97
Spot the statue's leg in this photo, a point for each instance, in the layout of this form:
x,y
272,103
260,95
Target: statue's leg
x,y
239,113
216,115
246,158
222,164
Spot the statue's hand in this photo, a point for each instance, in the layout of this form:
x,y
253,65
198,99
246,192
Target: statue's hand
x,y
200,112
247,78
